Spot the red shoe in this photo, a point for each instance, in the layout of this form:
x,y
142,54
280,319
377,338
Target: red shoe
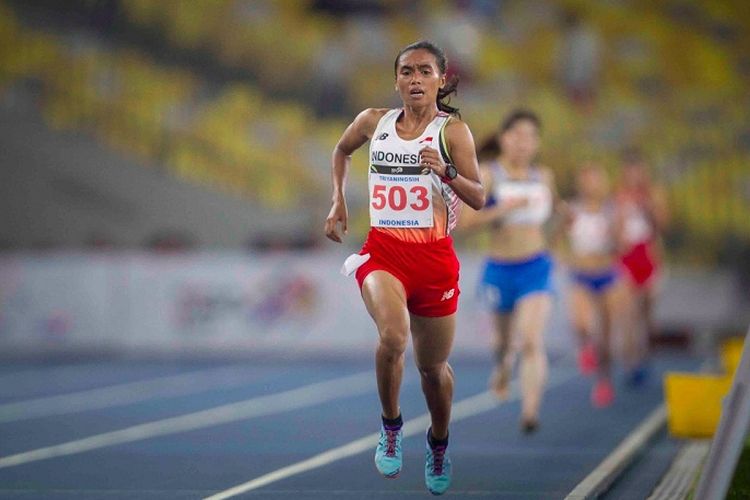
x,y
587,360
603,394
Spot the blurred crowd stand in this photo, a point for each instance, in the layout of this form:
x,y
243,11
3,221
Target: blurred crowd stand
x,y
244,96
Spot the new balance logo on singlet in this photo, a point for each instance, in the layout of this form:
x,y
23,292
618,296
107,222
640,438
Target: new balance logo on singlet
x,y
448,295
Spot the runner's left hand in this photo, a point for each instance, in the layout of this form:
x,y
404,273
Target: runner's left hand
x,y
430,158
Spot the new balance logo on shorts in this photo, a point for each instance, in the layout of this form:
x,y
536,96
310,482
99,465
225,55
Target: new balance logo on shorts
x,y
448,295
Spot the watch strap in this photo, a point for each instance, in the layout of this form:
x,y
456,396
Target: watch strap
x,y
450,168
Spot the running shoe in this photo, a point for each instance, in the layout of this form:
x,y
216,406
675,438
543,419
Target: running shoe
x,y
388,456
603,394
529,425
587,359
437,468
638,376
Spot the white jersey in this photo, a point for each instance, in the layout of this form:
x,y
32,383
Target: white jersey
x,y
592,233
539,206
637,227
409,202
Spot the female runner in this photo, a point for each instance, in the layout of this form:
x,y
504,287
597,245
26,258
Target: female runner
x,y
596,297
517,272
645,217
422,162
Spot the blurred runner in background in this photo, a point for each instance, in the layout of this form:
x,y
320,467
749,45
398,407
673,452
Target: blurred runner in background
x,y
516,279
596,296
643,205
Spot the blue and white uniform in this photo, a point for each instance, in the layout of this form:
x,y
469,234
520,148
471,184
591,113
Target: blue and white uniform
x,y
505,282
591,234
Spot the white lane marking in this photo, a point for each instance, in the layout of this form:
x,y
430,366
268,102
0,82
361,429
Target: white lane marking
x,y
301,397
47,372
473,405
599,480
683,472
123,394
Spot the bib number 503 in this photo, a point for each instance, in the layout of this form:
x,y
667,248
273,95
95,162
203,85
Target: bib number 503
x,y
397,197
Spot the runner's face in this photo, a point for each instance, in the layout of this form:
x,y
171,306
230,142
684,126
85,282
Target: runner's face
x,y
634,175
418,78
520,143
592,183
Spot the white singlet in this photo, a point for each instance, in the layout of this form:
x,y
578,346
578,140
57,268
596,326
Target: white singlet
x,y
637,227
592,232
534,189
406,201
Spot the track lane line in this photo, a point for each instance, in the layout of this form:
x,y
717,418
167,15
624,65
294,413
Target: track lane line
x,y
301,397
601,478
122,394
465,408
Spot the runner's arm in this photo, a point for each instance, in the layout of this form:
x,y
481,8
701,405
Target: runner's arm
x,y
562,217
462,152
355,135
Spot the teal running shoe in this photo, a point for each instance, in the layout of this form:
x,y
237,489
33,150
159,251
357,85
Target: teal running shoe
x,y
388,456
437,469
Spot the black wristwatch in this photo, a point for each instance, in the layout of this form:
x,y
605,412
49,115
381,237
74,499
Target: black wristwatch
x,y
450,172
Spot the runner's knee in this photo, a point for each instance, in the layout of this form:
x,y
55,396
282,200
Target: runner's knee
x,y
531,347
434,373
393,338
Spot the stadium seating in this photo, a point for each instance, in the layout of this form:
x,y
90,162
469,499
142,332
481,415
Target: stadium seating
x,y
672,80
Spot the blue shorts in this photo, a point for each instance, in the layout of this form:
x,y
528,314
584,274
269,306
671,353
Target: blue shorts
x,y
595,283
504,283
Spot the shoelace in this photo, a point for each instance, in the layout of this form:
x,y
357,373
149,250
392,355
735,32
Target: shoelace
x,y
390,442
438,456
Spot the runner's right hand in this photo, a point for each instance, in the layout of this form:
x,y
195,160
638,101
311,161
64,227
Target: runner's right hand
x,y
338,214
511,203
506,205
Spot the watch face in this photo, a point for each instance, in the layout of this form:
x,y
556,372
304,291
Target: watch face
x,y
451,172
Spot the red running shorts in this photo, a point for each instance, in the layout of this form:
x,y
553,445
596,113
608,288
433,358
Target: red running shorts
x,y
428,271
640,264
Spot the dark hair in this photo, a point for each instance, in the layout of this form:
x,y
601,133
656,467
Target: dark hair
x,y
490,148
451,85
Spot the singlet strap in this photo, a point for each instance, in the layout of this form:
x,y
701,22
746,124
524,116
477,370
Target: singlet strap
x,y
535,174
443,142
499,173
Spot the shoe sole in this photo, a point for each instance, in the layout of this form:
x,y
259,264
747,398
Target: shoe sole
x,y
393,475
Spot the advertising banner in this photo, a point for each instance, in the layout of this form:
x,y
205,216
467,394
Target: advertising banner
x,y
199,303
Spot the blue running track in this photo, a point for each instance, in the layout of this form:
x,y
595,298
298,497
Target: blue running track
x,y
491,458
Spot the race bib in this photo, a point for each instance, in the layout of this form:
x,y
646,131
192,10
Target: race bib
x,y
400,200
